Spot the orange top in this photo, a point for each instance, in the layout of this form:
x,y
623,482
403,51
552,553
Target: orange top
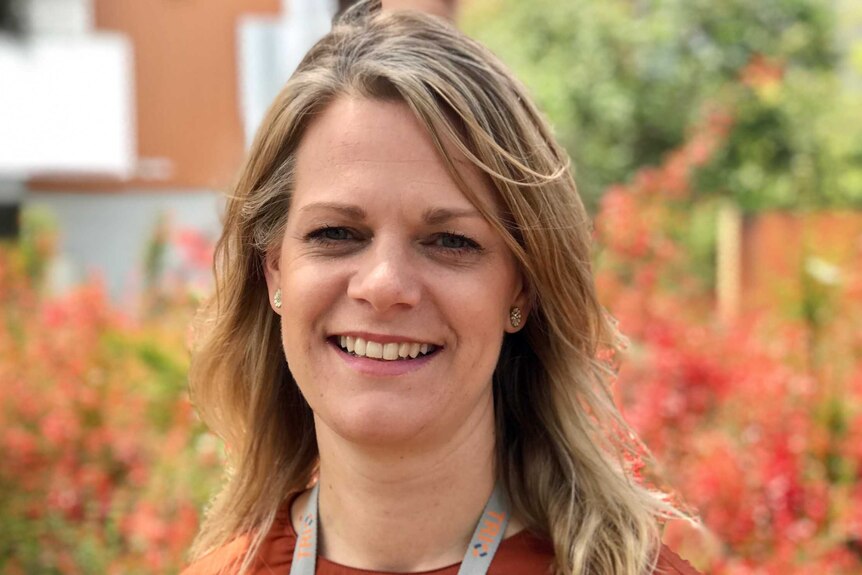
x,y
520,554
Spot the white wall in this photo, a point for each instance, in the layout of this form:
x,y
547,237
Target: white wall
x,y
271,48
66,105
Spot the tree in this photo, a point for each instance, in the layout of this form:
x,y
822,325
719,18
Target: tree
x,y
623,81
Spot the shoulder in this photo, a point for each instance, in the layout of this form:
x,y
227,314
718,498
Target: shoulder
x,y
526,553
219,560
669,563
275,554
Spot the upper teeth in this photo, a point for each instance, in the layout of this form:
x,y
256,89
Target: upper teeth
x,y
388,351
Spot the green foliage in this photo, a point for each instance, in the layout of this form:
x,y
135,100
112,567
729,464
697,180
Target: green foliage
x,y
155,253
37,242
796,143
624,81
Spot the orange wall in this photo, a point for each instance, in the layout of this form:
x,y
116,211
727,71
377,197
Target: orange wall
x,y
186,85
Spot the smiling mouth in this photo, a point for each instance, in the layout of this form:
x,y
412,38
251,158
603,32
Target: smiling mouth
x,y
398,351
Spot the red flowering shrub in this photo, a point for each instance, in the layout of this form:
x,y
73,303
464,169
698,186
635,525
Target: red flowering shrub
x,y
758,420
104,465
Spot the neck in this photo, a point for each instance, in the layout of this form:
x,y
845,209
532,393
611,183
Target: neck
x,y
376,502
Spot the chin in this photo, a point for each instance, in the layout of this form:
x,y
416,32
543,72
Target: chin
x,y
374,425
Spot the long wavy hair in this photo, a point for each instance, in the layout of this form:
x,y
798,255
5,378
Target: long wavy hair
x,y
562,445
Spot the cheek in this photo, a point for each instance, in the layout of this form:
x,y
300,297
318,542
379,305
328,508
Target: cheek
x,y
308,296
480,312
482,319
306,285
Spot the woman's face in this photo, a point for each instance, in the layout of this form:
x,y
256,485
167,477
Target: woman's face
x,y
383,257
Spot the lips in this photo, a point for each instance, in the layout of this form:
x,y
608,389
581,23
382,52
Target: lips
x,y
383,350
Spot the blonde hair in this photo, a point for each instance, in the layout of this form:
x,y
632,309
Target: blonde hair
x,y
561,442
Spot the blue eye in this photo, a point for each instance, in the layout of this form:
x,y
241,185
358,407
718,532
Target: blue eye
x,y
331,234
456,242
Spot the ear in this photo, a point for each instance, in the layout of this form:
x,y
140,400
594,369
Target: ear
x,y
272,273
521,300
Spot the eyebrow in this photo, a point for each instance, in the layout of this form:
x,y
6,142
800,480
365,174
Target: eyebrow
x,y
435,216
348,210
431,216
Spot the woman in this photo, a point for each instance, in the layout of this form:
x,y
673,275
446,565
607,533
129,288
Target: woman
x,y
405,319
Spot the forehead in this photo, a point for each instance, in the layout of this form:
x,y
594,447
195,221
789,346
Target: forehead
x,y
360,146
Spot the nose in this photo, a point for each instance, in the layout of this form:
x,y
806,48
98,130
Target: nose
x,y
387,278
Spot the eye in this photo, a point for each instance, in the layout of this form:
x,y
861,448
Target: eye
x,y
455,242
331,234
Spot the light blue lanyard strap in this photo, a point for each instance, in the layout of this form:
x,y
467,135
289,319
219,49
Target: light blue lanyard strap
x,y
487,536
483,545
305,552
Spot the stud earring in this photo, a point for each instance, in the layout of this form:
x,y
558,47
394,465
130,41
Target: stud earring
x,y
276,299
515,316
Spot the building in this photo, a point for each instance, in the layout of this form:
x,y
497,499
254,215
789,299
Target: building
x,y
119,118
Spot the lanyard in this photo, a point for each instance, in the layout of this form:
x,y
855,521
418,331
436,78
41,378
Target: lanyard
x,y
483,545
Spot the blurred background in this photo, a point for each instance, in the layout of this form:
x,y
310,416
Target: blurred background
x,y
717,143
